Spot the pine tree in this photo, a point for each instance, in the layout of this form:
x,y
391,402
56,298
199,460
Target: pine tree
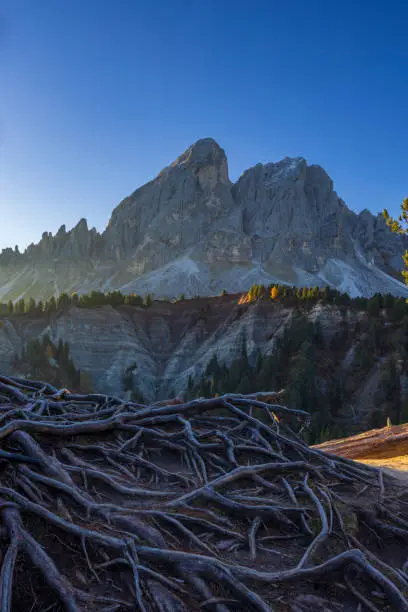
x,y
404,412
137,396
66,351
133,300
127,381
374,306
97,298
60,349
31,306
204,388
245,385
317,335
389,300
389,392
213,388
190,387
63,301
399,310
45,340
51,305
73,376
259,363
20,306
324,294
268,378
400,226
213,367
115,298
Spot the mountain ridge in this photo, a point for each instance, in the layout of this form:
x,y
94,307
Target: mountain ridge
x,y
191,230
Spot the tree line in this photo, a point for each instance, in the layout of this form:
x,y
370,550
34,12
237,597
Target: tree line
x,y
64,301
309,296
283,294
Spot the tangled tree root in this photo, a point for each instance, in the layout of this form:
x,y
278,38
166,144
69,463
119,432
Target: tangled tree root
x,y
207,505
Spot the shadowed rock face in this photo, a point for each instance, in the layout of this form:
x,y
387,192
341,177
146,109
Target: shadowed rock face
x,y
192,231
293,212
171,342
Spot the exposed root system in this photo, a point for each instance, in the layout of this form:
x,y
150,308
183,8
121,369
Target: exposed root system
x,y
207,505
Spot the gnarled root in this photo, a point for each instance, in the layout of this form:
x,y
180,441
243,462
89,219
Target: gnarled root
x,y
186,506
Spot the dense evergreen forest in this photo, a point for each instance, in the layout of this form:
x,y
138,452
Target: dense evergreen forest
x,y
43,360
311,372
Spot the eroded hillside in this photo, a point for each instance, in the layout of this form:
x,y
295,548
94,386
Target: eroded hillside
x,y
344,364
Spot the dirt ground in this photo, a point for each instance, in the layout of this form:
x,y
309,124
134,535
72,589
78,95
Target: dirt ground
x,y
394,466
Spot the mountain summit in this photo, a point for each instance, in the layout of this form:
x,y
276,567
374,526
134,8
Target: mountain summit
x,y
192,231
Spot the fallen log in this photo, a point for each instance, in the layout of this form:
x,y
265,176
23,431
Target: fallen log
x,y
387,442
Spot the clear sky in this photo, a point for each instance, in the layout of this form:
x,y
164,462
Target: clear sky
x,y
97,96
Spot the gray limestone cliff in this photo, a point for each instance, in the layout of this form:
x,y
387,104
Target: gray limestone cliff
x,y
192,231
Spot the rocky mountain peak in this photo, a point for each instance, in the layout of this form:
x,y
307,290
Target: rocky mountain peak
x,y
190,230
204,151
289,168
175,211
81,226
205,159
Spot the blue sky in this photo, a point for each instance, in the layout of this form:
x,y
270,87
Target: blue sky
x,y
97,96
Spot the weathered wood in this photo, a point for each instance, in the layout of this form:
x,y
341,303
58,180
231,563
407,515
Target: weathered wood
x,y
386,442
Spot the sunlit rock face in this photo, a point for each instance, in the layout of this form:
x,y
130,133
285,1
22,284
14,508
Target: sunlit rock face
x,y
192,231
